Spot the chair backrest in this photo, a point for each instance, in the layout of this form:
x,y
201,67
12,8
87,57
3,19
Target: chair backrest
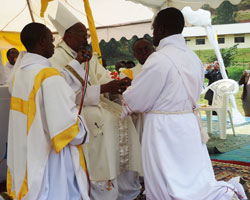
x,y
222,89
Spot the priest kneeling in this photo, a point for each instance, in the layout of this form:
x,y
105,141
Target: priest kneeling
x,y
45,160
176,163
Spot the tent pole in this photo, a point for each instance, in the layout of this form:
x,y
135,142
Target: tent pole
x,y
31,14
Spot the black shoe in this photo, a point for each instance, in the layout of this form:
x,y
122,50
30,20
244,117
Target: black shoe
x,y
243,183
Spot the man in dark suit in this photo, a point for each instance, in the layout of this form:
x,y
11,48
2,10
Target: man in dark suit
x,y
213,74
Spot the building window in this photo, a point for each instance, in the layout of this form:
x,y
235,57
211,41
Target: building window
x,y
221,40
200,41
239,39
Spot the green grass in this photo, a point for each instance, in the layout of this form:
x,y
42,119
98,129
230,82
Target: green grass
x,y
204,54
242,56
243,15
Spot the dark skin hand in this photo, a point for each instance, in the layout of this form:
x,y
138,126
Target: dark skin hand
x,y
113,87
80,58
126,81
116,86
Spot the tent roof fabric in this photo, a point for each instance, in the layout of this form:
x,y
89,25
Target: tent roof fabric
x,y
15,14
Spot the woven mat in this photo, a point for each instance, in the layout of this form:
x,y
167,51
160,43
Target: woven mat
x,y
225,170
217,145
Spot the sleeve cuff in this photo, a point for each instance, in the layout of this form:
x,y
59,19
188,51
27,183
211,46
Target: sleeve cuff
x,y
92,97
65,137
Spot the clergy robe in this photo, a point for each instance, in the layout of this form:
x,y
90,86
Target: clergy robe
x,y
113,147
45,159
7,70
176,163
137,118
2,74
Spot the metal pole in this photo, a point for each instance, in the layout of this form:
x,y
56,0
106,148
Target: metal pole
x,y
31,14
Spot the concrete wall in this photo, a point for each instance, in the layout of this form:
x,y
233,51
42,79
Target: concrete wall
x,y
229,42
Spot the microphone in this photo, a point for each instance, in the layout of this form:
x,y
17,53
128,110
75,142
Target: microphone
x,y
86,48
86,56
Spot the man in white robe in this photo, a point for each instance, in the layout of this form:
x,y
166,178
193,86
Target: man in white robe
x,y
45,160
142,49
12,55
176,163
2,76
113,153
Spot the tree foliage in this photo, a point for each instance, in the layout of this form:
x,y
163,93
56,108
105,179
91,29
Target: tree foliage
x,y
227,55
235,72
116,51
244,5
225,13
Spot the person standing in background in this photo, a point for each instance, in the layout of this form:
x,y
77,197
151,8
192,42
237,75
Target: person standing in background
x,y
213,74
245,97
2,76
12,55
142,49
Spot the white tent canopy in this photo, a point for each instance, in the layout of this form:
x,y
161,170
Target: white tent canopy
x,y
15,14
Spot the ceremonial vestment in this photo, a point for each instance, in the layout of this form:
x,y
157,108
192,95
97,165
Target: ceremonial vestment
x,y
113,148
45,159
137,118
176,163
7,70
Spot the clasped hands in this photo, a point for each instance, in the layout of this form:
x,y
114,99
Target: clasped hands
x,y
116,86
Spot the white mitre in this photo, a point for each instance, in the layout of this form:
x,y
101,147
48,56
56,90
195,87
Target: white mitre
x,y
63,20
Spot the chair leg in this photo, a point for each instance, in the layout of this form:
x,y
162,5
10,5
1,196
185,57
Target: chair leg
x,y
209,121
231,121
222,121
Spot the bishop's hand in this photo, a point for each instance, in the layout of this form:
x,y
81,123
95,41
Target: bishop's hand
x,y
114,87
126,81
83,55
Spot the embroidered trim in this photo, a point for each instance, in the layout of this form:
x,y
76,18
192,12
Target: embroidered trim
x,y
65,137
71,69
29,107
123,138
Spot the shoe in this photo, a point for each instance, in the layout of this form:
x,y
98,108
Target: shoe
x,y
244,184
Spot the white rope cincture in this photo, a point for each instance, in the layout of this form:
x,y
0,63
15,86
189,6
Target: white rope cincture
x,y
196,111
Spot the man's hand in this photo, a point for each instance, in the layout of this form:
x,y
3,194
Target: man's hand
x,y
126,81
114,87
83,55
209,67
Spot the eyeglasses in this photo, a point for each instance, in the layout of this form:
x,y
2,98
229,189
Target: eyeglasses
x,y
81,33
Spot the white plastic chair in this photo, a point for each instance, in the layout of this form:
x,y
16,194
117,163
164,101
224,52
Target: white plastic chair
x,y
222,90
